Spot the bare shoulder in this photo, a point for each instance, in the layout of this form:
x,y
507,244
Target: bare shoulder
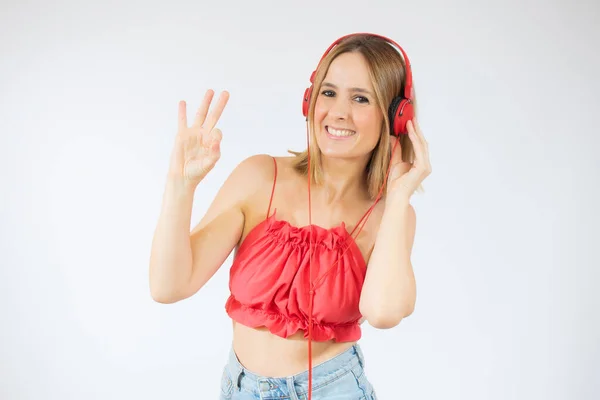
x,y
253,177
285,167
255,169
265,178
246,179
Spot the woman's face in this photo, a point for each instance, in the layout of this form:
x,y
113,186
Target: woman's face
x,y
347,119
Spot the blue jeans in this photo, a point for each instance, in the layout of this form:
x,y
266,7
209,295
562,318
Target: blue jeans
x,y
341,377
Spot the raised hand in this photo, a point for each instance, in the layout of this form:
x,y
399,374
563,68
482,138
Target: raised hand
x,y
197,147
407,177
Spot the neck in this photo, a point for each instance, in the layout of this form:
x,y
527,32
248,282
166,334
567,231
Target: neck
x,y
343,178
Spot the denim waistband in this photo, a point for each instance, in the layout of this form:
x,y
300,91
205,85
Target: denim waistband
x,y
350,359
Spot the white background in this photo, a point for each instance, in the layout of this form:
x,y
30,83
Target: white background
x,y
506,249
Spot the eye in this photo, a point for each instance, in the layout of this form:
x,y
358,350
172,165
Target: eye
x,y
362,99
328,93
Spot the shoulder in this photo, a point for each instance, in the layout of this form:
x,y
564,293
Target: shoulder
x,y
258,166
254,170
262,167
286,167
247,179
253,175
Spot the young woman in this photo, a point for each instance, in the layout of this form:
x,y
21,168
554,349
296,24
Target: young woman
x,y
322,238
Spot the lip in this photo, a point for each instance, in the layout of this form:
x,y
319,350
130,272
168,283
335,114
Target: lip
x,y
332,137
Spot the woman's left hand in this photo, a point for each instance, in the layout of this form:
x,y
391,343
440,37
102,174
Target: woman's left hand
x,y
406,177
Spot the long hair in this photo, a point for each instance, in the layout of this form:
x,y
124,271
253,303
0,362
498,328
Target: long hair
x,y
388,74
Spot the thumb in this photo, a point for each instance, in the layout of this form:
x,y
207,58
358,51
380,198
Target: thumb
x,y
398,167
396,150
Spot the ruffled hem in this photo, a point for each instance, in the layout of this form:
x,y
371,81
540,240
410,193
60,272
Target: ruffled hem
x,y
284,326
334,238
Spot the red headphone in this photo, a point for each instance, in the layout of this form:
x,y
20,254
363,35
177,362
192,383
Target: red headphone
x,y
400,111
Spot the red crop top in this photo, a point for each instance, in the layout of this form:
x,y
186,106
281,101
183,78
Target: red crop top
x,y
271,274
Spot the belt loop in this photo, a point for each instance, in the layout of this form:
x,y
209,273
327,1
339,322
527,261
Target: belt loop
x,y
237,378
360,355
236,375
238,381
292,388
235,369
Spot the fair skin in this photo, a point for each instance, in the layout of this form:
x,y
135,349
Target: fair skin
x,y
181,263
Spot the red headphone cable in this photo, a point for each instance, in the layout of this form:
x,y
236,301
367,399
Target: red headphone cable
x,y
361,223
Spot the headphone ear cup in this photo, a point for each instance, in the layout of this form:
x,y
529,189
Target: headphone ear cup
x,y
400,112
306,101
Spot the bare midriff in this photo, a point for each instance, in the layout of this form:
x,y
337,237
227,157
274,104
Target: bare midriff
x,y
266,354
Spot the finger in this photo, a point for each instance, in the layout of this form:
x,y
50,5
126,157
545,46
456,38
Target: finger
x,y
182,117
215,114
426,157
215,147
421,149
213,137
420,132
203,109
415,140
396,149
217,135
411,126
398,167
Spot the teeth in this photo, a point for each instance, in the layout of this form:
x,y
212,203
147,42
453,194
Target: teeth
x,y
339,132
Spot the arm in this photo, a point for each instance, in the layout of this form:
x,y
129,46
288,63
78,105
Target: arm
x,y
389,290
181,261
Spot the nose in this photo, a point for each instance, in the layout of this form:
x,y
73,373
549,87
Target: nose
x,y
340,109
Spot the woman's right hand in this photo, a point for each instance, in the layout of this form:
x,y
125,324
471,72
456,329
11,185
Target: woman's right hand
x,y
197,147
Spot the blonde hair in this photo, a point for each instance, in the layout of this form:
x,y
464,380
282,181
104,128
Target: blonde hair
x,y
387,72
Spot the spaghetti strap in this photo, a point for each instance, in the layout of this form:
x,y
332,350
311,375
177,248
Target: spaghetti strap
x,y
363,219
273,189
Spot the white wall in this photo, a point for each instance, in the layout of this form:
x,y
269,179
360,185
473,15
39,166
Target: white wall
x,y
506,250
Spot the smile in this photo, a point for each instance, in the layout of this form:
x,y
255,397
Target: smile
x,y
339,133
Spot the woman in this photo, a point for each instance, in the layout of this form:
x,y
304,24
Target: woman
x,y
323,238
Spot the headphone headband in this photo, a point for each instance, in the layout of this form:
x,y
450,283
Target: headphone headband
x,y
408,85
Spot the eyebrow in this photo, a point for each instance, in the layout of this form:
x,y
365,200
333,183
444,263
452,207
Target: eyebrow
x,y
354,89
